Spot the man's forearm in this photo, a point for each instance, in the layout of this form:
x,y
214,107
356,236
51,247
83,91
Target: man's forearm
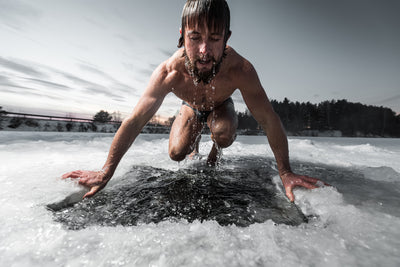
x,y
278,142
123,139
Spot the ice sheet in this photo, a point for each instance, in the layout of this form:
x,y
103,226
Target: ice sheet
x,y
355,223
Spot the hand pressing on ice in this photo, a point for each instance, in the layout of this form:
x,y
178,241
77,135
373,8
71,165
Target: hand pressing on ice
x,y
94,180
291,180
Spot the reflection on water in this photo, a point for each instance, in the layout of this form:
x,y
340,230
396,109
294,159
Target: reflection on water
x,y
240,195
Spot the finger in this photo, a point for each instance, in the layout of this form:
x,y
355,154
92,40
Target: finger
x,y
289,189
92,191
74,174
315,181
289,193
310,179
66,175
306,185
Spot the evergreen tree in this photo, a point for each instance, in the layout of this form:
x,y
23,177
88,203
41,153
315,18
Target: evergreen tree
x,y
102,116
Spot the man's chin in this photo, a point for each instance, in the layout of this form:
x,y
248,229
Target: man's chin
x,y
204,68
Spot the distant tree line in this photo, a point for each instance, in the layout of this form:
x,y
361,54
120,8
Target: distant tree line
x,y
352,119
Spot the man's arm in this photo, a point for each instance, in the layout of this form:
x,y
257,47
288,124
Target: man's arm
x,y
261,108
130,128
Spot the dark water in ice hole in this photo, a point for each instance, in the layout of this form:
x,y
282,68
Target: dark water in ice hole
x,y
240,196
239,192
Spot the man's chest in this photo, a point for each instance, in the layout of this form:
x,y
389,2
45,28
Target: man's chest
x,y
204,96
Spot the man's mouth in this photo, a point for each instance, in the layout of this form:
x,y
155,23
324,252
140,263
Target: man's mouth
x,y
204,61
202,68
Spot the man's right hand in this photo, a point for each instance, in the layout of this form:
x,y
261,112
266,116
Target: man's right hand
x,y
94,180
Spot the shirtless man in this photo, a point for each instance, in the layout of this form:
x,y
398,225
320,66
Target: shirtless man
x,y
204,74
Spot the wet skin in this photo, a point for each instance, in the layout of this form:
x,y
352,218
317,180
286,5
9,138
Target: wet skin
x,y
203,47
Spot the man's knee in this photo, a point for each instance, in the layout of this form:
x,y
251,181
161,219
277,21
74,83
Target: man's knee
x,y
176,154
224,131
224,139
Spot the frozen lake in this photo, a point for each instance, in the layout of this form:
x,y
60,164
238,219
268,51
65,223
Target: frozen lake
x,y
156,212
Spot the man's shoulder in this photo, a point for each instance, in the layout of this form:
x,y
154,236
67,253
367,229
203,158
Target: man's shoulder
x,y
236,63
172,67
175,62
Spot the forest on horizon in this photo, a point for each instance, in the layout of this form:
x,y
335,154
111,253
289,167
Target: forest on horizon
x,y
352,119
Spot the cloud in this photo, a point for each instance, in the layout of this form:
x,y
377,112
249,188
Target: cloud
x,y
101,90
7,83
91,69
125,88
98,23
16,14
21,68
73,78
146,72
167,53
91,87
125,39
15,84
115,85
26,91
391,99
35,77
153,66
12,85
128,66
47,83
4,79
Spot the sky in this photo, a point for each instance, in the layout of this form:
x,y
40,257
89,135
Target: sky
x,y
76,57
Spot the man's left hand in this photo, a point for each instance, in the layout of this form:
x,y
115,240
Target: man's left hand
x,y
291,180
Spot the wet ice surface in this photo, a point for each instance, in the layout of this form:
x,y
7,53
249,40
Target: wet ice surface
x,y
354,224
145,194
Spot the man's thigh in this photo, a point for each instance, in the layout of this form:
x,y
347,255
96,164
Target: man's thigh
x,y
184,131
224,116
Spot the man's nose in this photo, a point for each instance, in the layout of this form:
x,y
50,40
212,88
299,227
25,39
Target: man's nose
x,y
204,47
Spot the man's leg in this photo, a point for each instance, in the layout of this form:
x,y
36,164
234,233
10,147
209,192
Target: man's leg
x,y
184,135
195,153
223,123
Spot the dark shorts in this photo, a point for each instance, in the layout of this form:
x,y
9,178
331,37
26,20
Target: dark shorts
x,y
203,115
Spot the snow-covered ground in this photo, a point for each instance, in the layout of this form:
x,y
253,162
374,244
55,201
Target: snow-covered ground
x,y
354,223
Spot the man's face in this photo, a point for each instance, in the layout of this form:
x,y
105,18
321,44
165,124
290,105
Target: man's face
x,y
204,50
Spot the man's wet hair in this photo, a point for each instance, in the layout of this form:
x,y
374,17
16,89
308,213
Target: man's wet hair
x,y
215,13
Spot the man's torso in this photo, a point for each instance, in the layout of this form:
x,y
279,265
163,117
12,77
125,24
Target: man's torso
x,y
202,96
